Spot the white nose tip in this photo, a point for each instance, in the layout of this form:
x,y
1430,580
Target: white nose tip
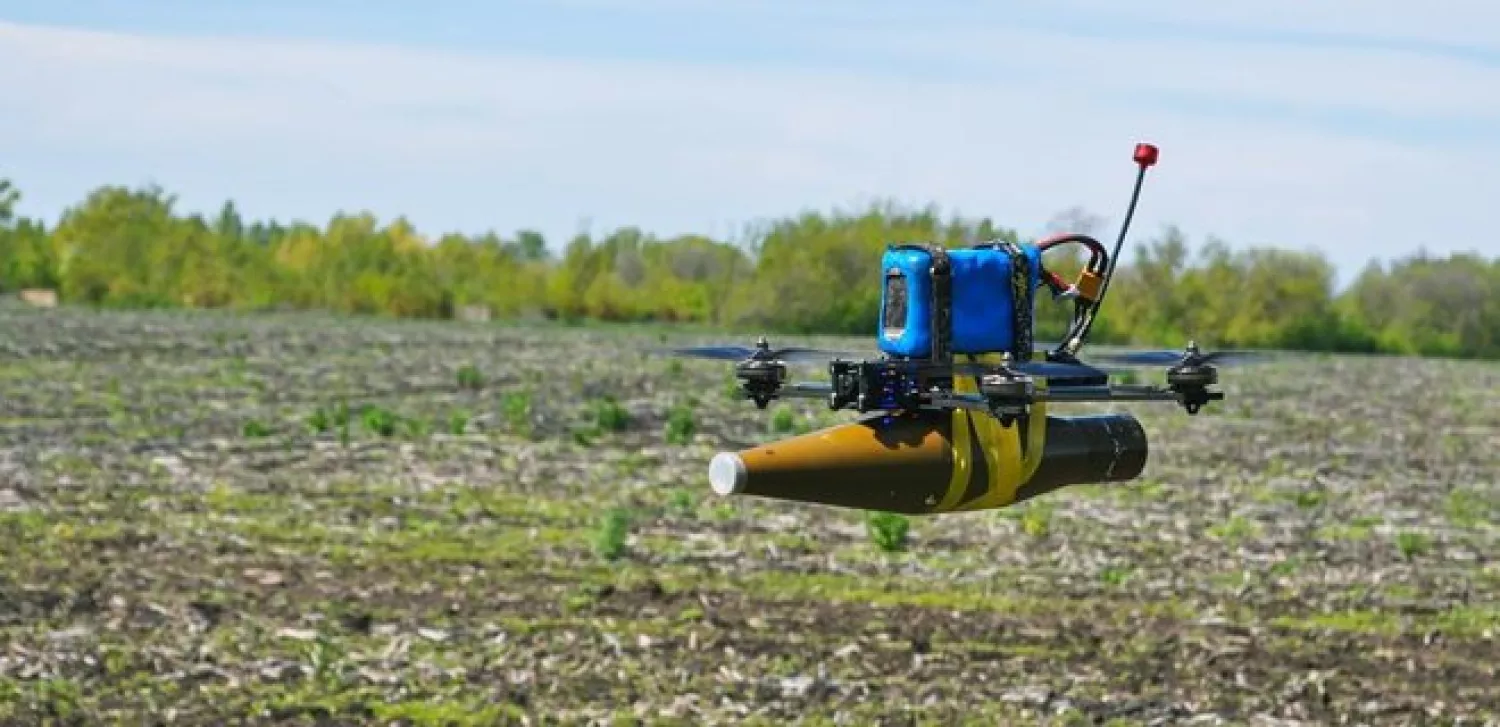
x,y
727,473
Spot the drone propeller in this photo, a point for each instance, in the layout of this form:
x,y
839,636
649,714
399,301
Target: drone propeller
x,y
1191,356
798,354
762,352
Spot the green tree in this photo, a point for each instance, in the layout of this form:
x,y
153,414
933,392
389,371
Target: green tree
x,y
811,272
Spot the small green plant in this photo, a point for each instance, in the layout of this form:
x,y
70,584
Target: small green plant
x,y
609,415
1466,508
1037,520
342,419
255,429
783,420
320,420
1115,576
469,378
585,436
680,425
59,697
325,660
1234,529
380,420
516,406
888,530
416,427
1285,567
681,501
614,529
1310,499
1412,544
458,422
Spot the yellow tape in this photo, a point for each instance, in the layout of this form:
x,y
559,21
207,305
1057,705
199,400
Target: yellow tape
x,y
961,464
1000,445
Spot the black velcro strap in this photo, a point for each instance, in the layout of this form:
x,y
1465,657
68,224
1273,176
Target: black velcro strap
x,y
1020,285
942,304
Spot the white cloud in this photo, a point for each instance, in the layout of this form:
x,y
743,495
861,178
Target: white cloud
x,y
470,141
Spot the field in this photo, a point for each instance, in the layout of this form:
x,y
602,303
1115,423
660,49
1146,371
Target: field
x,y
213,519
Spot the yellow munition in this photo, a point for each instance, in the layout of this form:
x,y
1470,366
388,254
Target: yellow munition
x,y
928,462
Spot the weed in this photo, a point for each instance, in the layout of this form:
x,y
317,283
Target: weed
x,y
320,420
609,415
469,378
680,425
325,660
888,530
255,429
1234,529
783,420
1036,521
1115,576
1310,499
379,420
516,407
681,501
342,419
1466,508
584,436
1412,544
614,529
458,422
1285,567
416,428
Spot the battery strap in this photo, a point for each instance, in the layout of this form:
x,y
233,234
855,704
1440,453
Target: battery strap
x,y
1022,345
1021,291
942,304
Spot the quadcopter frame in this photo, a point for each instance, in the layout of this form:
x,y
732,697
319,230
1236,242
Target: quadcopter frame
x,y
1006,390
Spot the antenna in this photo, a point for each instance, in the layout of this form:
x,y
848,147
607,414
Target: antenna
x,y
1145,157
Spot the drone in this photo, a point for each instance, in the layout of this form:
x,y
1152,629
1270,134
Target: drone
x,y
950,315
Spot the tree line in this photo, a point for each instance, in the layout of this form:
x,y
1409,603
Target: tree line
x,y
809,273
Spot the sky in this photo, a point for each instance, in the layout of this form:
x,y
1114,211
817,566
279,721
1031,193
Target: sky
x,y
1366,130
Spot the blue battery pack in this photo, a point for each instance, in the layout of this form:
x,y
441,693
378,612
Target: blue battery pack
x,y
981,292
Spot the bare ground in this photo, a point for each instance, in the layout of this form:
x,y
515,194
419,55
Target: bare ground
x,y
189,535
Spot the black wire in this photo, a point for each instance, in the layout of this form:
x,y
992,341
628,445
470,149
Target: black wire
x,y
1114,258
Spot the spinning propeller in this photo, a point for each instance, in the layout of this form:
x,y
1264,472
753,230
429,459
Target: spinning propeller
x,y
797,354
761,352
1191,356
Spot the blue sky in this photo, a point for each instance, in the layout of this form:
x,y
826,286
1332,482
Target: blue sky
x,y
1364,129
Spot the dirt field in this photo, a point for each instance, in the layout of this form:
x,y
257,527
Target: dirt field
x,y
209,519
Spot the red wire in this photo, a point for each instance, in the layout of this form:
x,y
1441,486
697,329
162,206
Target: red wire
x,y
1096,259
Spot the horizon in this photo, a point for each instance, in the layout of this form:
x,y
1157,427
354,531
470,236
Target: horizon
x,y
686,117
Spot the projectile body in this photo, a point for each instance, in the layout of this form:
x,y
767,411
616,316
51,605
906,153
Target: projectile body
x,y
932,462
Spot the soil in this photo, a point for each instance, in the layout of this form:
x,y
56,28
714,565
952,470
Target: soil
x,y
515,527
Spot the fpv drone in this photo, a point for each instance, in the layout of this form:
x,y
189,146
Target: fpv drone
x,y
943,310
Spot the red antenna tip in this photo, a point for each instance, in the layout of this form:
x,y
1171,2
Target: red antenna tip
x,y
1145,154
